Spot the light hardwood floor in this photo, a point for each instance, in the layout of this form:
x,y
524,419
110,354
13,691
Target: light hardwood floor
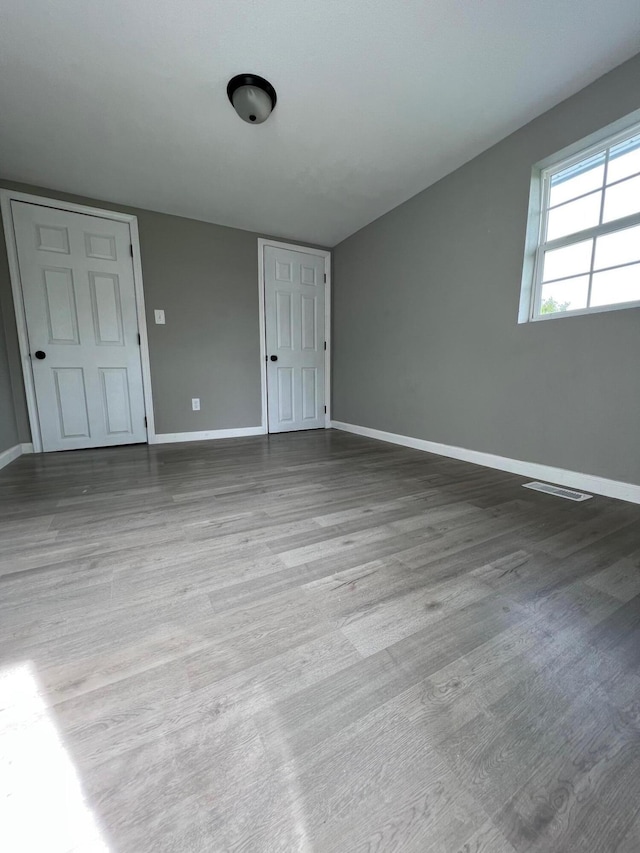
x,y
316,642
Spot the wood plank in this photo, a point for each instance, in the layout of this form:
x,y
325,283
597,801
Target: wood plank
x,y
316,641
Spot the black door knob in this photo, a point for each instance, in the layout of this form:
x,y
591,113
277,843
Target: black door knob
x,y
40,354
274,358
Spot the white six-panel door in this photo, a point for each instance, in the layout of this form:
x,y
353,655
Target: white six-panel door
x,y
77,282
295,339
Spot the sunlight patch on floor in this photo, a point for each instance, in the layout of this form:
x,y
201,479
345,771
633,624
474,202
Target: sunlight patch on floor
x,y
42,807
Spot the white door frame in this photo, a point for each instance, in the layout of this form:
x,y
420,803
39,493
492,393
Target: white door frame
x,y
323,253
6,197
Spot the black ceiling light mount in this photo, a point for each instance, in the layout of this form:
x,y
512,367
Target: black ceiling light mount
x,y
252,97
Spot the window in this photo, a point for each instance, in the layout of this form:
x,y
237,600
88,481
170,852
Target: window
x,y
586,256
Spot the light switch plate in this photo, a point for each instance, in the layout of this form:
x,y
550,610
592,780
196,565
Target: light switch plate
x,y
195,404
159,316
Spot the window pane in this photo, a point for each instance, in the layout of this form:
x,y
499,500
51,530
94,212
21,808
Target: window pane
x,y
622,199
614,286
567,295
582,178
574,216
624,160
571,260
623,247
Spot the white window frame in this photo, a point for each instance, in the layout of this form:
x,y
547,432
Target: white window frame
x,y
535,246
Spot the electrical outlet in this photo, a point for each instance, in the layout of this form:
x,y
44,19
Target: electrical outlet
x,y
159,316
195,404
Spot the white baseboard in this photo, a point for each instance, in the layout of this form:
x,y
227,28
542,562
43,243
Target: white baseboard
x,y
205,435
27,448
560,476
10,454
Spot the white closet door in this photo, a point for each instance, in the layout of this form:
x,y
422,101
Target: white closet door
x,y
79,298
294,324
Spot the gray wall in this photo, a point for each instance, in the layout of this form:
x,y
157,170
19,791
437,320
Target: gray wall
x,y
426,339
205,277
8,428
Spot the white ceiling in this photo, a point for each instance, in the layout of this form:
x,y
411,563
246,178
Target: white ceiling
x,y
125,100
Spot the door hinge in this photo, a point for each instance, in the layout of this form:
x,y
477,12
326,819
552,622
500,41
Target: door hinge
x,y
131,248
325,278
325,344
325,410
145,420
139,341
